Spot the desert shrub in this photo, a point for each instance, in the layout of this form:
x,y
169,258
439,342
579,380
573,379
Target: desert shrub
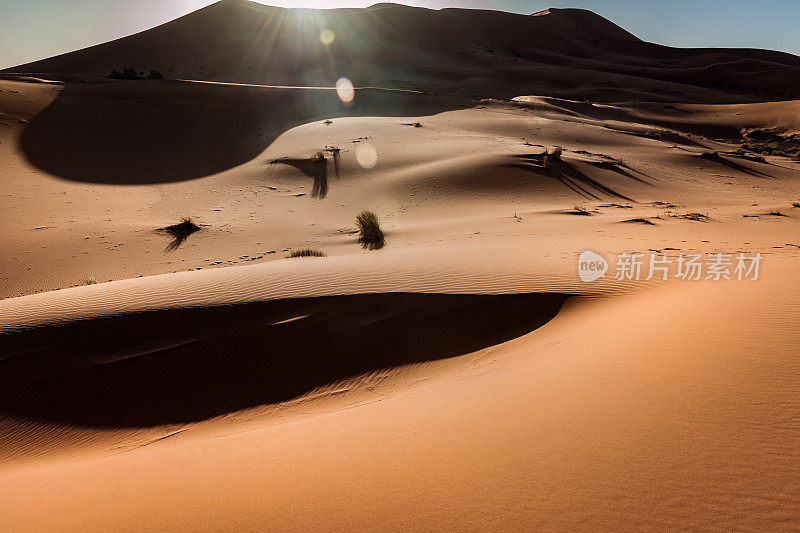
x,y
132,74
306,252
180,232
337,159
90,281
697,217
581,210
369,229
796,204
548,157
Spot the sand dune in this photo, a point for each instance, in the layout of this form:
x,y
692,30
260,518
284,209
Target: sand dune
x,y
569,53
462,377
176,130
585,423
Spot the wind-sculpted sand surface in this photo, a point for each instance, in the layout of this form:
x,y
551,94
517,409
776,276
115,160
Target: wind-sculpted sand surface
x,y
164,365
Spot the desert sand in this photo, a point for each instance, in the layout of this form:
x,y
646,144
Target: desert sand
x,y
462,377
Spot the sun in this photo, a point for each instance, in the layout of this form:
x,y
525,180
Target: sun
x,y
317,4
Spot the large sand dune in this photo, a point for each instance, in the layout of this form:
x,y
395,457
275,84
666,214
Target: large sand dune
x,y
461,378
569,53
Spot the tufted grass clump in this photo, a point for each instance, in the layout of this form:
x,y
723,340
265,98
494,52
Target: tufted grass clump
x,y
180,232
306,252
370,234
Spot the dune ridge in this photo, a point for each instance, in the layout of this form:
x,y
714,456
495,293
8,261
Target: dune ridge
x,y
549,415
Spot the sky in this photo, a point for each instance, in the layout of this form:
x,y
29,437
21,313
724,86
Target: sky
x,y
36,29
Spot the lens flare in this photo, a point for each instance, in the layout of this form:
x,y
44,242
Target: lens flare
x,y
366,155
327,37
345,91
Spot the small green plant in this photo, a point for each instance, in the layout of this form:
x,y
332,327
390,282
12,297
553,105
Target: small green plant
x,y
90,281
370,234
796,204
306,252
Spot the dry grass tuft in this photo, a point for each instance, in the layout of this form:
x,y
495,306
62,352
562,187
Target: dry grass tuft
x,y
180,232
697,217
370,233
306,252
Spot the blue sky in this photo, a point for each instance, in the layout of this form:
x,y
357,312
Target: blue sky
x,y
34,29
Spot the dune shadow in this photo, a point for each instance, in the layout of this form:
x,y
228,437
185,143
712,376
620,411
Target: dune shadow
x,y
159,131
181,365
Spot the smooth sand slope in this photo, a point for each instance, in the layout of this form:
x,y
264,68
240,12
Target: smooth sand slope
x,y
461,378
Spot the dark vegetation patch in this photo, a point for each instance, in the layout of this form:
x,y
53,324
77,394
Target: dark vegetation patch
x,y
771,141
306,252
132,74
370,234
179,232
696,217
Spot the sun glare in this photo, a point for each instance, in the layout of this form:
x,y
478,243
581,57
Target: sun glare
x,y
327,37
345,90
